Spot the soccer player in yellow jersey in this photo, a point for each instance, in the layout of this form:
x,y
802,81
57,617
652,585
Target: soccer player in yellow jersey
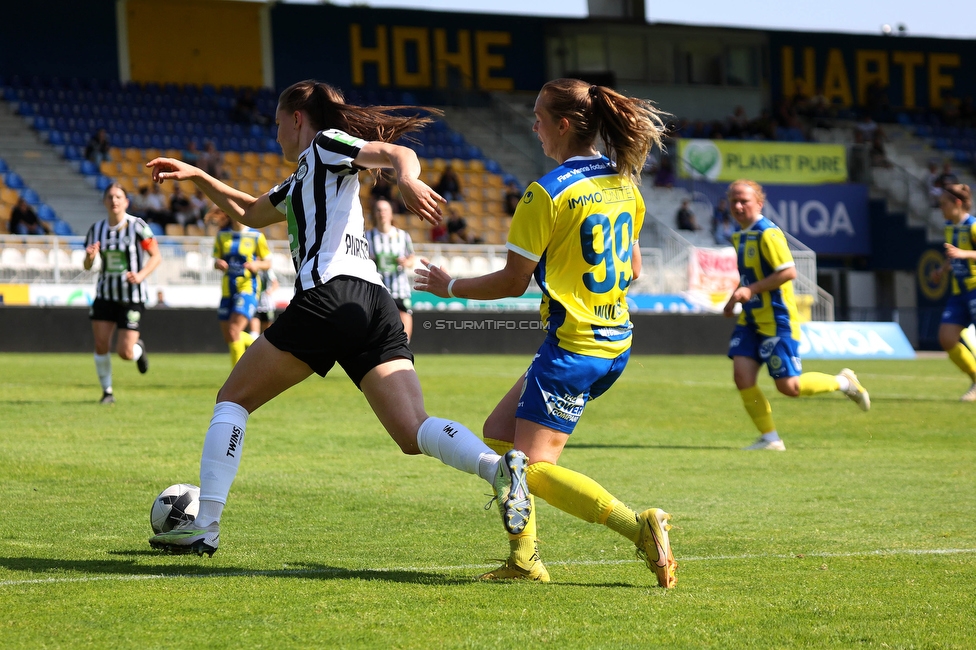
x,y
960,310
242,253
767,331
576,230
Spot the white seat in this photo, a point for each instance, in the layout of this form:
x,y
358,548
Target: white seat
x,y
480,265
193,261
36,259
58,257
282,263
498,263
12,258
78,256
459,266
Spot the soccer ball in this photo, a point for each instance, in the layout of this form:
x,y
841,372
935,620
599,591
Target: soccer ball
x,y
174,505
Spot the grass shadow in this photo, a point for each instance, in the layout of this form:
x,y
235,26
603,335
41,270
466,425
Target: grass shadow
x,y
631,446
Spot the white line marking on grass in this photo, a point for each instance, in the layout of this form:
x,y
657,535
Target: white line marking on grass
x,y
286,572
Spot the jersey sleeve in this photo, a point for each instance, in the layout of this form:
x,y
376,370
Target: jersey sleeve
x,y
638,215
532,224
775,249
278,193
144,234
218,252
334,148
262,251
90,236
407,244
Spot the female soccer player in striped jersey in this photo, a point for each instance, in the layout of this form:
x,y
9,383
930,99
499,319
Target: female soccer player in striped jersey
x,y
576,230
392,250
122,242
956,201
341,312
242,253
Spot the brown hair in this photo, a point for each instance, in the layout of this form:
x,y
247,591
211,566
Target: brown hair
x,y
756,188
327,109
961,192
628,126
109,189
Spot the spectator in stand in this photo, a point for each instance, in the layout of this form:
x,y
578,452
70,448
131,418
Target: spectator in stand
x,y
160,300
947,177
722,226
139,203
97,148
877,152
199,204
211,161
156,208
931,182
24,221
737,123
179,207
513,195
866,127
449,185
457,228
246,109
686,218
438,234
665,173
191,155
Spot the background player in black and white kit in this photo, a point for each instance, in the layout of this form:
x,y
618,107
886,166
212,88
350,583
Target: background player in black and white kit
x,y
128,253
341,312
392,251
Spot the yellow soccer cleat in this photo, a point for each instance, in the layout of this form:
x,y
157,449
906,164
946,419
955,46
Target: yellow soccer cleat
x,y
654,547
510,571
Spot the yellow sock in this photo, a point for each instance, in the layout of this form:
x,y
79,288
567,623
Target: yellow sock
x,y
236,351
246,339
570,491
523,548
758,408
963,358
814,383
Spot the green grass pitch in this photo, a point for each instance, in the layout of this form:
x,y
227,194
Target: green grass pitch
x,y
863,533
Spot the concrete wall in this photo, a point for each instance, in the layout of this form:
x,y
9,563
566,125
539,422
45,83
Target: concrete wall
x,y
67,329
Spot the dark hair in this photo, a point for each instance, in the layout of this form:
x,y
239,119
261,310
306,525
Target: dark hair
x,y
628,126
109,189
960,192
327,109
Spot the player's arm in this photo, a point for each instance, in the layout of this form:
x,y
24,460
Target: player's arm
x,y
417,196
151,246
512,280
241,206
636,261
956,253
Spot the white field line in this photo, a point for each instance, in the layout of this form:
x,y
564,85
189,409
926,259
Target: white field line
x,y
286,572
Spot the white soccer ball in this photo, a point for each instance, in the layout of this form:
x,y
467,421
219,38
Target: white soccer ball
x,y
174,505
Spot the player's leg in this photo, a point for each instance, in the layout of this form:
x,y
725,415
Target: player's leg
x,y
745,372
238,340
129,345
102,332
783,360
956,317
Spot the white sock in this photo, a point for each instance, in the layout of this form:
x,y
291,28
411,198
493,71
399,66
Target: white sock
x,y
136,351
453,444
221,457
255,333
103,365
843,383
769,437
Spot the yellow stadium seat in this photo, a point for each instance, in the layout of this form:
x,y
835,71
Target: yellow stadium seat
x,y
250,158
174,230
494,180
271,159
108,168
10,196
437,164
268,173
116,154
193,230
149,154
232,158
174,153
248,172
135,155
476,165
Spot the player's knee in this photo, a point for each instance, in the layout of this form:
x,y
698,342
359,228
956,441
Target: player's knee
x,y
789,388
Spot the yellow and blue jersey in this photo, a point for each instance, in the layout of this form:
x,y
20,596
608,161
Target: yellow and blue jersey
x,y
762,250
236,248
580,222
962,235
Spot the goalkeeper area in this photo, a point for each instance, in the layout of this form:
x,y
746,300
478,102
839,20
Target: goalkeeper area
x,y
861,533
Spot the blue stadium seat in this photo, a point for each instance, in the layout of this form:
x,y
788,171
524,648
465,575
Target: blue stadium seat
x,y
45,212
13,180
102,182
88,168
30,196
55,138
72,152
62,229
156,229
3,166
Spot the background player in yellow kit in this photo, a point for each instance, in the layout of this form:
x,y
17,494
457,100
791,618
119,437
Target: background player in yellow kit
x,y
576,230
242,253
768,331
960,310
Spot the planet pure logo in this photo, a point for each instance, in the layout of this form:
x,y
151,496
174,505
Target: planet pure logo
x,y
702,159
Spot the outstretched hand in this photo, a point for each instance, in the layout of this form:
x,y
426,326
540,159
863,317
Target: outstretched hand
x,y
171,169
420,199
432,279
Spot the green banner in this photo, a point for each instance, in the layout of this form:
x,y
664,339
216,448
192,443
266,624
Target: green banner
x,y
782,163
423,301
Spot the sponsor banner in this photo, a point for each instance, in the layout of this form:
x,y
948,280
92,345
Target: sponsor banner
x,y
794,163
713,274
423,301
664,303
14,294
77,295
860,70
840,340
830,219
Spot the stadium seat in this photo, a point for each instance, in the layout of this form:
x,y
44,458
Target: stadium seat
x,y
459,266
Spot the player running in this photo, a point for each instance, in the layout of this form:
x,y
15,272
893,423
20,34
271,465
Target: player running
x,y
767,331
392,250
576,230
242,253
122,242
341,312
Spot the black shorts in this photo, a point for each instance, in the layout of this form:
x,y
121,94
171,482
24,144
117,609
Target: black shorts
x,y
126,315
348,321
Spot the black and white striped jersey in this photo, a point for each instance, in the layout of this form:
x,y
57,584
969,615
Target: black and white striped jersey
x,y
385,249
325,216
122,249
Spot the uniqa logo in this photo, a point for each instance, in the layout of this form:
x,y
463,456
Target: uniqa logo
x,y
701,159
844,341
811,218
